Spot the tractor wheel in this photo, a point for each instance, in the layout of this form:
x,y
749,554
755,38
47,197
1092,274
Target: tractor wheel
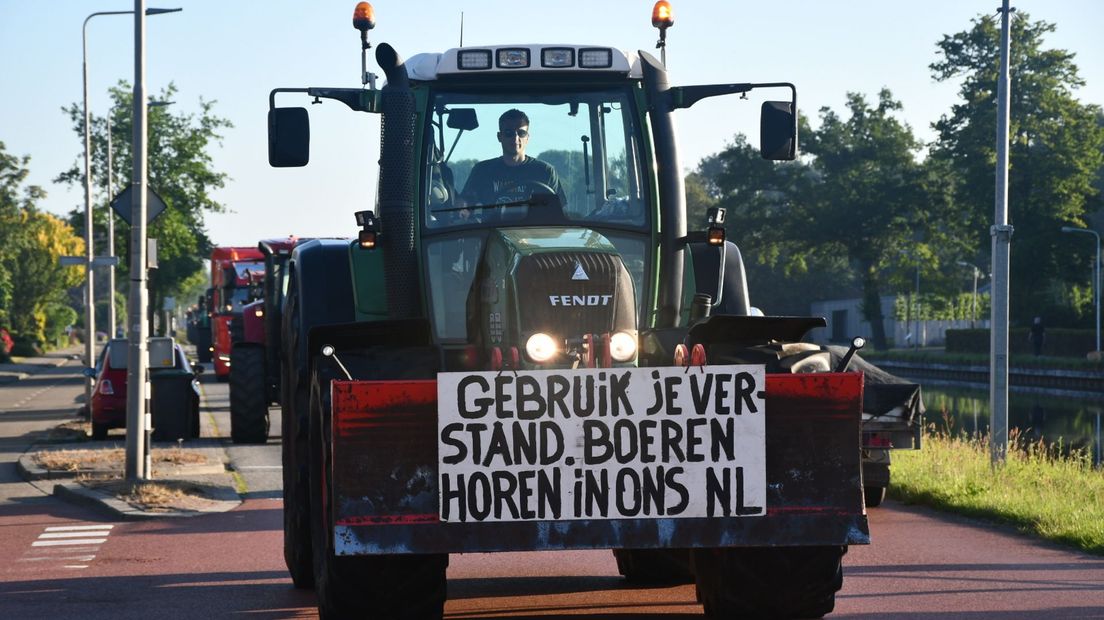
x,y
874,496
654,566
371,587
294,435
768,582
249,421
99,431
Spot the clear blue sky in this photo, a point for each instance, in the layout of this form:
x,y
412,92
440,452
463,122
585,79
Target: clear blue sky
x,y
234,52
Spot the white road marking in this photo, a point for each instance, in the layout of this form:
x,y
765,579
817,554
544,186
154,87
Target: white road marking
x,y
71,547
78,528
79,541
78,558
48,535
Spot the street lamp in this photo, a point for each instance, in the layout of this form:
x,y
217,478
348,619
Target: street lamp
x,y
89,298
1095,277
973,308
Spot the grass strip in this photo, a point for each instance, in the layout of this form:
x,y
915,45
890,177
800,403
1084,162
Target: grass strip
x,y
1047,492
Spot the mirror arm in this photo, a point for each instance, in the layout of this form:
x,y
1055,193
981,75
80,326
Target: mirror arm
x,y
358,99
686,96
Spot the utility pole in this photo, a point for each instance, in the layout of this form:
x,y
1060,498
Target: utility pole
x,y
110,231
137,456
1001,232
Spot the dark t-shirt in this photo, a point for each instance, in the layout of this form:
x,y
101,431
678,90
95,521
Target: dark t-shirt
x,y
493,182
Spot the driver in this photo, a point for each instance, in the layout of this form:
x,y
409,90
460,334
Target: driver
x,y
510,178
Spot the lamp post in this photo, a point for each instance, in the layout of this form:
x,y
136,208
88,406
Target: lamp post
x,y
973,307
89,292
1095,276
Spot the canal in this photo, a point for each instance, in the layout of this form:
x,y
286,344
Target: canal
x,y
1055,419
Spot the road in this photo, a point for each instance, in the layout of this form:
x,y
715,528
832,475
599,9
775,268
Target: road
x,y
921,564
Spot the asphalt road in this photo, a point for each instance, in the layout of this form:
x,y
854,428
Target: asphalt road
x,y
63,561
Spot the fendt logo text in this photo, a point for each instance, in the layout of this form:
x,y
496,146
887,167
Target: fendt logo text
x,y
579,300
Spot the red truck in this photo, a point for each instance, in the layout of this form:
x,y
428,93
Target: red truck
x,y
235,276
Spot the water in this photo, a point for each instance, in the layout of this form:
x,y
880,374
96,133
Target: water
x,y
1068,422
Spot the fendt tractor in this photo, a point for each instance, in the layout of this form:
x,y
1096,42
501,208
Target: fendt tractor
x,y
552,358
255,354
235,272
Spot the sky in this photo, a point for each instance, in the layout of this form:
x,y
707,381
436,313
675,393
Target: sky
x,y
235,51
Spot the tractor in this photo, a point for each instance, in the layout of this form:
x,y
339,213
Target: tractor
x,y
553,362
255,354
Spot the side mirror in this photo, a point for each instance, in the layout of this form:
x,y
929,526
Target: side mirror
x,y
288,137
463,119
778,131
89,372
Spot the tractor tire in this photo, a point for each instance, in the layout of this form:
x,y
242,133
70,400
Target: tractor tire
x,y
99,431
294,435
768,582
249,422
874,496
370,587
654,566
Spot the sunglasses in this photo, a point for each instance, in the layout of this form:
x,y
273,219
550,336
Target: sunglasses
x,y
510,133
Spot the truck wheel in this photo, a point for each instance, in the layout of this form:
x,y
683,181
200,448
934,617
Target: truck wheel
x,y
373,587
874,496
99,431
768,582
248,405
654,566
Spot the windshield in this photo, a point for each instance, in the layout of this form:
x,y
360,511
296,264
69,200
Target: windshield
x,y
578,151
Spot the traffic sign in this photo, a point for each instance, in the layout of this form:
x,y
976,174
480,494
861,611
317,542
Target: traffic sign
x,y
123,204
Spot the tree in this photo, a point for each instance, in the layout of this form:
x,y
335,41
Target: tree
x,y
861,201
39,282
1055,155
180,170
14,199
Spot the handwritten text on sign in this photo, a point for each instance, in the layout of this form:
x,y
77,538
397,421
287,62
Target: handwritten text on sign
x,y
601,444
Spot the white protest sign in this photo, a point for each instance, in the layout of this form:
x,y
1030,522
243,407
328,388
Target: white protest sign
x,y
613,443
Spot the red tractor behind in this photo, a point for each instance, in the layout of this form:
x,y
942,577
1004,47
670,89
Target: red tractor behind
x,y
255,372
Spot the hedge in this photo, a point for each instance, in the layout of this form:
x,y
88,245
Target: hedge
x,y
1059,341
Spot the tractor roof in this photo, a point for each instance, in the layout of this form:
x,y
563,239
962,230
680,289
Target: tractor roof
x,y
529,58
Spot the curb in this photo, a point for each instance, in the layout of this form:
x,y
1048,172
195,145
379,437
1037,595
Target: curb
x,y
219,498
29,471
114,507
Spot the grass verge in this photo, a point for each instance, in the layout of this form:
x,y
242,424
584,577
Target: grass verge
x,y
1039,490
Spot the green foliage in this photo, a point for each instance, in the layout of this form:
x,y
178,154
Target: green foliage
x,y
14,200
37,277
58,317
1056,153
181,171
1038,490
33,302
938,307
860,206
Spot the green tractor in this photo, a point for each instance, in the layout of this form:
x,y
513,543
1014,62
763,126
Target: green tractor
x,y
534,352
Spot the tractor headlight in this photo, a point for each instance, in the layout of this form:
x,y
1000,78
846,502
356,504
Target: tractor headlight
x,y
622,347
540,347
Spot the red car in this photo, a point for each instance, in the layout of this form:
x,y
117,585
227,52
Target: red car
x,y
109,396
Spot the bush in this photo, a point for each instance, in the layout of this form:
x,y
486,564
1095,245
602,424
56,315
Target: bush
x,y
1060,342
